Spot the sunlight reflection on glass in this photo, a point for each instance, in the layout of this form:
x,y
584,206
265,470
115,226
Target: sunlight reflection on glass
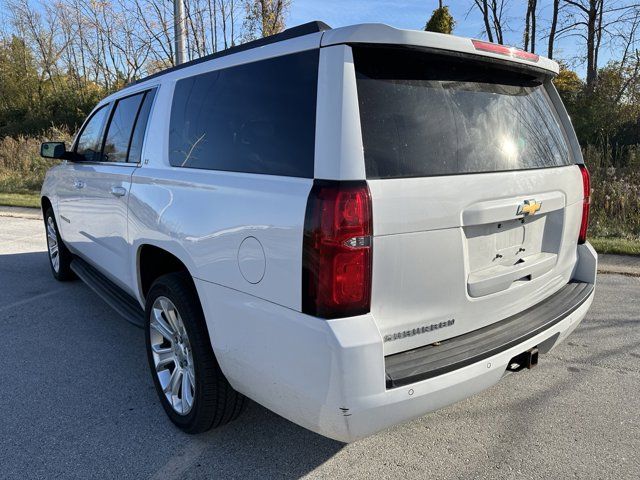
x,y
509,149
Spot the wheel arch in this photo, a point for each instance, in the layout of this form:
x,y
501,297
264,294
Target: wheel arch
x,y
153,261
45,204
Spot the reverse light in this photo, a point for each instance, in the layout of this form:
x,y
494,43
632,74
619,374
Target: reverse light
x,y
504,50
336,253
586,204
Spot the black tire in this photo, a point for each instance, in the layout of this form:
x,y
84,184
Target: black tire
x,y
215,402
63,273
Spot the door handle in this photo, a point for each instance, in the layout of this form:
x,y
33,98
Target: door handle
x,y
118,191
78,184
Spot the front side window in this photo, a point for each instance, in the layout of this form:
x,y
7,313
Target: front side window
x,y
89,142
255,118
116,144
427,114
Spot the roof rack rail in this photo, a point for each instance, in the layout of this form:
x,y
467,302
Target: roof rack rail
x,y
293,32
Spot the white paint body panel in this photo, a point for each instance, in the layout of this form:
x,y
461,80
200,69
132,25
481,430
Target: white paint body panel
x,y
376,33
423,258
95,220
204,216
240,236
328,376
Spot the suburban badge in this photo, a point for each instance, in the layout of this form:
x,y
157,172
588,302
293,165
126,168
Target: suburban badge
x,y
419,330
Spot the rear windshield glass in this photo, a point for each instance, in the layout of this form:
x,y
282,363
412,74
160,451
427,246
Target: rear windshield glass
x,y
424,114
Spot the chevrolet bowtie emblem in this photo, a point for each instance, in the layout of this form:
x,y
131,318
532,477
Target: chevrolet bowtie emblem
x,y
529,207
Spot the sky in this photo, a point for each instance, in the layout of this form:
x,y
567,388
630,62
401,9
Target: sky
x,y
413,14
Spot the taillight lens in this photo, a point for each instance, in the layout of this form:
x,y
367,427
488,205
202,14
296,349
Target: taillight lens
x,y
336,258
504,50
586,204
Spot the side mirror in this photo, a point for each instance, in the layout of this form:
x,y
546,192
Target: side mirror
x,y
53,150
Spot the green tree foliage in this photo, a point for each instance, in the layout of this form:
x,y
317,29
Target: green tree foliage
x,y
608,114
441,21
31,101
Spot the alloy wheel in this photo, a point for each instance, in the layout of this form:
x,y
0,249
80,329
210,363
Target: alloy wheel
x,y
53,245
172,355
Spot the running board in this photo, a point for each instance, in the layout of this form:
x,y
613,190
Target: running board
x,y
118,299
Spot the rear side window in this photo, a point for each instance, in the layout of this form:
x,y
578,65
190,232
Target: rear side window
x,y
254,118
137,138
424,114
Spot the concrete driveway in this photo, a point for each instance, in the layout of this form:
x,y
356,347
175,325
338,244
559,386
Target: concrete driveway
x,y
77,401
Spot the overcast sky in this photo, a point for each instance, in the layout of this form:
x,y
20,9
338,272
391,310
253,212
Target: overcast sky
x,y
413,14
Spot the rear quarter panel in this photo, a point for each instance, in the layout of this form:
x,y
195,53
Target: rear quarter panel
x,y
203,217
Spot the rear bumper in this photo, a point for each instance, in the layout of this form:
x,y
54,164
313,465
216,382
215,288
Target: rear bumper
x,y
329,376
454,353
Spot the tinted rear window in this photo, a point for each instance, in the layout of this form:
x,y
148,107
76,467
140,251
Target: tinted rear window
x,y
424,114
257,118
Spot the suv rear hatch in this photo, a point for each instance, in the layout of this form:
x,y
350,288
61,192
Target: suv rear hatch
x,y
476,198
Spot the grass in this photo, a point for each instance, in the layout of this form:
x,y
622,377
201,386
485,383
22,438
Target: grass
x,y
29,199
621,246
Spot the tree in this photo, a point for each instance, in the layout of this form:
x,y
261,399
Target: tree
x,y
595,22
265,17
441,21
554,26
530,26
493,16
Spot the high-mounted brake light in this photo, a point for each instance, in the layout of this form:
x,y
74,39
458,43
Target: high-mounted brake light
x,y
336,253
504,50
586,204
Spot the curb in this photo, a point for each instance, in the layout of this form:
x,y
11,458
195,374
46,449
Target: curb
x,y
626,273
619,264
21,212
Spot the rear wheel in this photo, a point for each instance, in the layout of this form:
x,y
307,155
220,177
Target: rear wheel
x,y
192,389
59,257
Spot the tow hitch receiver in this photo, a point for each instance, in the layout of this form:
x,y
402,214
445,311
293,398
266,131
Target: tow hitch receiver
x,y
528,359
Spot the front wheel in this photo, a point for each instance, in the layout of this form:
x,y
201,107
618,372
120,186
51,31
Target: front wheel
x,y
190,384
59,257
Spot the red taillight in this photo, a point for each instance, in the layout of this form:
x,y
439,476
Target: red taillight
x,y
336,256
586,204
504,50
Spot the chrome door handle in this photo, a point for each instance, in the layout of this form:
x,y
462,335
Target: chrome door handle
x,y
78,184
118,191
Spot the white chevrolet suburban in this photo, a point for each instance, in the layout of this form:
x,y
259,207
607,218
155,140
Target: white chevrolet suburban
x,y
350,226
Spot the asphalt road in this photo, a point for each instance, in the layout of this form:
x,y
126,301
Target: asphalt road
x,y
77,401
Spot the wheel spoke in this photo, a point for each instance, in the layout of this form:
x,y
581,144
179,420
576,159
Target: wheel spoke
x,y
176,380
170,314
187,396
162,327
191,377
164,356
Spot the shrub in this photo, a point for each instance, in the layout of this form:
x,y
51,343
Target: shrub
x,y
21,167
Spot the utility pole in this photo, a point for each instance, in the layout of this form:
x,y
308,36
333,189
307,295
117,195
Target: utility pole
x,y
178,29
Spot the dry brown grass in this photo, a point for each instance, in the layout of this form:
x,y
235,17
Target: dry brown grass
x,y
21,167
